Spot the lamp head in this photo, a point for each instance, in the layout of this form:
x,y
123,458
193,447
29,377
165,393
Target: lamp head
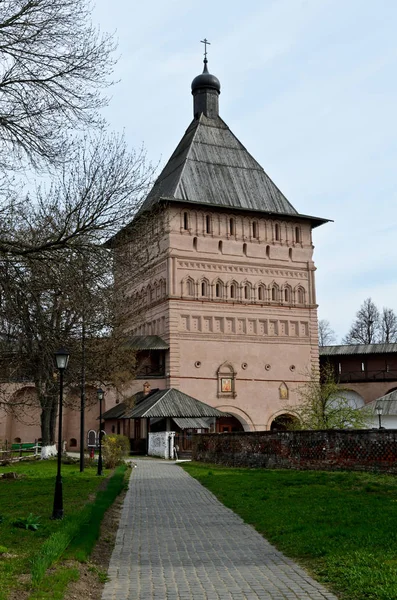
x,y
100,393
62,358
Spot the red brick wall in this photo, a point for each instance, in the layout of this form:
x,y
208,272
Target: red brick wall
x,y
360,450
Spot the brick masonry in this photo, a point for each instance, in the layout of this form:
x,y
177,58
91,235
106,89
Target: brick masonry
x,y
358,450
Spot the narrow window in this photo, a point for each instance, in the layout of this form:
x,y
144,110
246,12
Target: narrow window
x,y
339,368
185,221
277,232
274,294
286,295
217,290
245,249
246,292
231,226
232,291
254,229
297,234
301,296
195,243
260,293
190,289
267,251
203,289
220,247
290,253
208,224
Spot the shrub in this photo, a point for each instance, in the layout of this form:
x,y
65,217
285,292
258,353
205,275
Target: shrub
x,y
114,448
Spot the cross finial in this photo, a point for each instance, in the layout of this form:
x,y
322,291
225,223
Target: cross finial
x,y
205,42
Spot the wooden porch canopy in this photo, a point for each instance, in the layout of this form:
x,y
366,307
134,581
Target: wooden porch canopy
x,y
162,404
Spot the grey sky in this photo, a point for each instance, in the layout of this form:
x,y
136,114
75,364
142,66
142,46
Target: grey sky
x,y
309,87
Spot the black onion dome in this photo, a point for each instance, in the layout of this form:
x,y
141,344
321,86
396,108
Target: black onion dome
x,y
206,80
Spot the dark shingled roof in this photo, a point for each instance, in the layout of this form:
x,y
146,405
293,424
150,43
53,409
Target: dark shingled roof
x,y
171,403
116,412
358,349
210,166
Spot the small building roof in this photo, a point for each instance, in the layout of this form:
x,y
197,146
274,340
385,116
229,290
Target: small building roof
x,y
388,402
351,349
171,403
147,342
191,422
116,412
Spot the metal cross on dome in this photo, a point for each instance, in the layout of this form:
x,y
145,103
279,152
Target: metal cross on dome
x,y
205,42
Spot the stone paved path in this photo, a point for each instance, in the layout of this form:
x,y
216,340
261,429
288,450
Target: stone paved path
x,y
177,542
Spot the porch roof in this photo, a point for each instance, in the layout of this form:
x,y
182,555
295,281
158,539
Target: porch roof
x,y
147,342
171,403
191,423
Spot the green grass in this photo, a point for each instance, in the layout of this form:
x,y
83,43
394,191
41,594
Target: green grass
x,y
84,542
34,493
341,526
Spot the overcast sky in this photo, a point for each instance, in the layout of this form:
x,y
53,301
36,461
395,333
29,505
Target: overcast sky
x,y
309,87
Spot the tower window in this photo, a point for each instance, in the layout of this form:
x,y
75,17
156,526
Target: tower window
x,y
260,293
255,229
274,293
204,291
301,296
287,295
246,292
277,232
233,291
220,246
245,249
208,224
231,226
195,243
185,221
297,235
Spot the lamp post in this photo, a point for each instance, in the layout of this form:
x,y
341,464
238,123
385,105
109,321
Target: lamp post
x,y
100,394
379,411
62,359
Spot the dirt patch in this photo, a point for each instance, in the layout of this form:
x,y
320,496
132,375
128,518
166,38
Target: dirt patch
x,y
93,574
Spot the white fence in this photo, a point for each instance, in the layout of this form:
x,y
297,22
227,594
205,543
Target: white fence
x,y
161,444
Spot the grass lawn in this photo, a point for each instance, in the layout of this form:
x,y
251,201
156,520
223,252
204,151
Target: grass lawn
x,y
34,493
342,526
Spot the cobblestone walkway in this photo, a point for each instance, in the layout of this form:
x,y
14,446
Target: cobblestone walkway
x,y
177,542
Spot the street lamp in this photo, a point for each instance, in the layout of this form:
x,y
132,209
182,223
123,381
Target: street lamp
x,y
100,394
62,359
379,411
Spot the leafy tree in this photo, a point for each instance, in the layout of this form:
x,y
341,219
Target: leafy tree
x,y
323,404
366,328
326,335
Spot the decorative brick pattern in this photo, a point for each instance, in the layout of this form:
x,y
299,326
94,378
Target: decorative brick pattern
x,y
358,450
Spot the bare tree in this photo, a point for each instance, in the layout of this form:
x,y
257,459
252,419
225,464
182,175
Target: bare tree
x,y
388,323
95,194
326,335
56,271
366,327
53,67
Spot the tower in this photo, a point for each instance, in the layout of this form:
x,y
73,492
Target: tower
x,y
225,278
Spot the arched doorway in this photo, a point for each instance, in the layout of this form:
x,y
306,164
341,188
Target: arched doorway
x,y
228,425
284,422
